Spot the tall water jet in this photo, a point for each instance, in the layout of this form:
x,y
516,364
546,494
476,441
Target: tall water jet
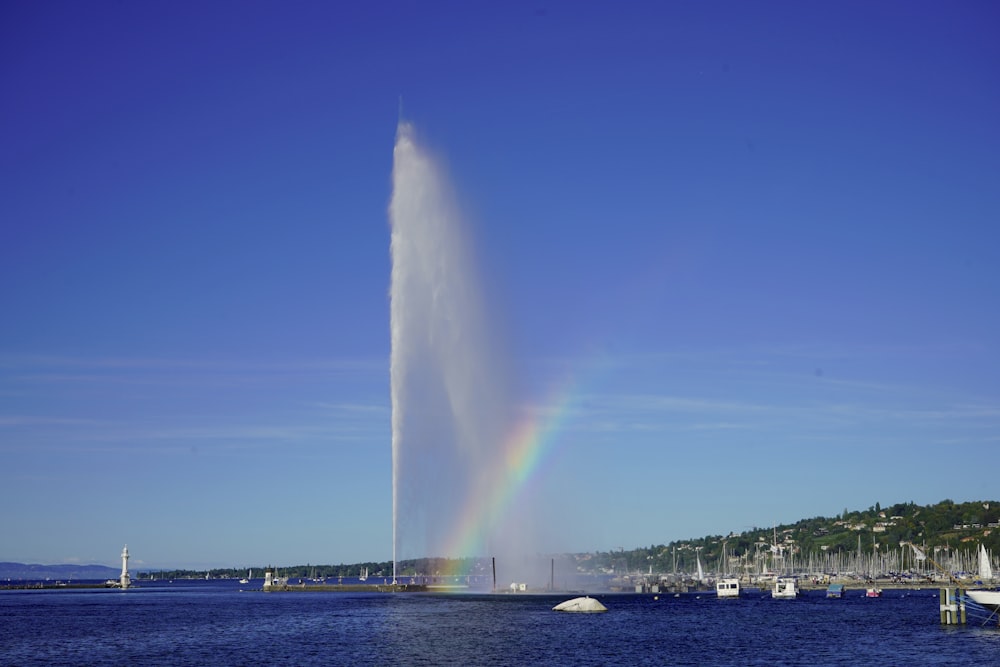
x,y
450,406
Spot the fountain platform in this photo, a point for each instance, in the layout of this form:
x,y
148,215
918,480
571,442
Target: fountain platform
x,y
349,588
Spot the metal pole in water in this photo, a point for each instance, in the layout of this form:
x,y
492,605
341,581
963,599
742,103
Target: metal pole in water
x,y
494,574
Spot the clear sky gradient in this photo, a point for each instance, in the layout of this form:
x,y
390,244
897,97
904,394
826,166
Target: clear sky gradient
x,y
759,242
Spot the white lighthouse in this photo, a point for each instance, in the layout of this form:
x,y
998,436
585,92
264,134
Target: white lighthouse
x,y
125,579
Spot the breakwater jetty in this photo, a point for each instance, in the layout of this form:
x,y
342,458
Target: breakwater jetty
x,y
347,588
47,585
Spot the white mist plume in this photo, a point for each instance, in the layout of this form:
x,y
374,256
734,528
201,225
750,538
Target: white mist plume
x,y
450,405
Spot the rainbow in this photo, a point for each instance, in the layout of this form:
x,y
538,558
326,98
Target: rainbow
x,y
524,453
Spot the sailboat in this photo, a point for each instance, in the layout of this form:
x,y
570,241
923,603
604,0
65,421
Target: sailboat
x,y
985,568
364,575
248,578
988,599
872,591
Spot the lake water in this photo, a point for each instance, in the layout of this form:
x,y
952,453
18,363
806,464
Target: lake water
x,y
214,623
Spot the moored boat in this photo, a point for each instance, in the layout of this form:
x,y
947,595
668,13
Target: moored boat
x,y
835,591
985,566
785,588
727,588
988,599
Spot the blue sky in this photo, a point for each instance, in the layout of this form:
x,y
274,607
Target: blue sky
x,y
762,237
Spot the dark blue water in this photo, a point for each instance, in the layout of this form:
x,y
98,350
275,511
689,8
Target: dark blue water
x,y
208,623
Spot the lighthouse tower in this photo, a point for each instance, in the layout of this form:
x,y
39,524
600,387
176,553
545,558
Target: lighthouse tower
x,y
125,579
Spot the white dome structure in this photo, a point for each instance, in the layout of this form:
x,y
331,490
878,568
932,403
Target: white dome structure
x,y
585,604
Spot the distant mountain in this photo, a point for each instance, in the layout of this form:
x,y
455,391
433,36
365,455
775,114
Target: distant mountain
x,y
34,572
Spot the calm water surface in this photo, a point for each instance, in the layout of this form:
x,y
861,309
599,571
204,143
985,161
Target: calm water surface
x,y
207,623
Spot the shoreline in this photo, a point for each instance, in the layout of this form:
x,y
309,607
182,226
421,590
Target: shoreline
x,y
803,585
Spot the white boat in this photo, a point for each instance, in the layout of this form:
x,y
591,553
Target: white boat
x,y
872,591
364,575
985,567
248,578
727,588
784,589
987,599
